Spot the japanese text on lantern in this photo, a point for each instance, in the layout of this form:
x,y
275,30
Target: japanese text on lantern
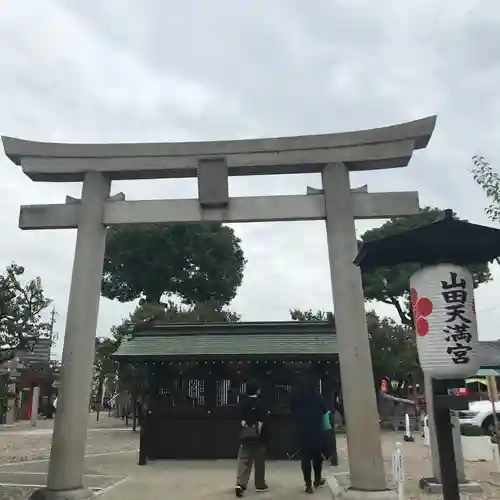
x,y
457,324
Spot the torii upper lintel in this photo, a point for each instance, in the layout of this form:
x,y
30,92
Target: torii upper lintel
x,y
386,147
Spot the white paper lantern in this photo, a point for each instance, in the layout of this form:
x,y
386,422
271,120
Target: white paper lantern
x,y
442,298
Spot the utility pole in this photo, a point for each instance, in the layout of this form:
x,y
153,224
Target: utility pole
x,y
53,335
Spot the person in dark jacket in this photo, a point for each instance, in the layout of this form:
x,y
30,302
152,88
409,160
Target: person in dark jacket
x,y
253,439
308,409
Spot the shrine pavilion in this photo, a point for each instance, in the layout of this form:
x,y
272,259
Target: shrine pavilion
x,y
193,375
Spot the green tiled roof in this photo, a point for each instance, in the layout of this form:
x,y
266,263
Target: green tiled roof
x,y
488,372
211,340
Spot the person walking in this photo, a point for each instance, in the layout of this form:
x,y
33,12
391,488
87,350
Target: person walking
x,y
253,439
308,409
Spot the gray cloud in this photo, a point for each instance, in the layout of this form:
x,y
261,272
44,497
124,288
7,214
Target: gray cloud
x,y
125,70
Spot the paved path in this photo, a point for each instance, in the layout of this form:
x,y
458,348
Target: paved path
x,y
117,477
207,481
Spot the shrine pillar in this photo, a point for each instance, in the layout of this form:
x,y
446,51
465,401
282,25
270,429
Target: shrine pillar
x,y
70,425
360,403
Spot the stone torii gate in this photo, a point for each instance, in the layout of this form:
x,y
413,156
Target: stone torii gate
x,y
334,155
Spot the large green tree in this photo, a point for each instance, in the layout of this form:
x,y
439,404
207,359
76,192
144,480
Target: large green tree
x,y
22,304
489,180
390,284
392,345
170,312
393,348
309,315
198,262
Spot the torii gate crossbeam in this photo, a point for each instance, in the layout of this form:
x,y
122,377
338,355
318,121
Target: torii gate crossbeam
x,y
334,155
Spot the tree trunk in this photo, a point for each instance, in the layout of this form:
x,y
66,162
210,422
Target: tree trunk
x,y
403,315
99,397
400,387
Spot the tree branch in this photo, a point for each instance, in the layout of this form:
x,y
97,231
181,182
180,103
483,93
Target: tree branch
x,y
403,315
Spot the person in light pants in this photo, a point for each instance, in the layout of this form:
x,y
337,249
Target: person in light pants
x,y
253,440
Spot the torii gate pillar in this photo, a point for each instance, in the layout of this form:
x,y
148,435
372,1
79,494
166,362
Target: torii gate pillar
x,y
360,402
71,420
334,155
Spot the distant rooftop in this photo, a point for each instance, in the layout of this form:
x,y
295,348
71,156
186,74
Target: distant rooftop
x,y
489,353
38,353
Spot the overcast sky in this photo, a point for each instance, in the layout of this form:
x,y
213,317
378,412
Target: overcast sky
x,y
145,70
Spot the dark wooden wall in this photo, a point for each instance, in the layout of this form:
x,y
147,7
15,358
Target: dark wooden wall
x,y
191,410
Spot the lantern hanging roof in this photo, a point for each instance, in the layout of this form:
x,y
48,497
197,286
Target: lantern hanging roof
x,y
447,240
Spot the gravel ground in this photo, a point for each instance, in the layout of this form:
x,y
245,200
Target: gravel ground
x,y
23,443
418,464
15,493
32,447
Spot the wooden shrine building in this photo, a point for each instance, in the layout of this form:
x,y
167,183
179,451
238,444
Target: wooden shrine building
x,y
193,375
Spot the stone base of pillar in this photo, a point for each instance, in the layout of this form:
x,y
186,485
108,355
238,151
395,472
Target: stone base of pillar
x,y
431,485
338,484
45,494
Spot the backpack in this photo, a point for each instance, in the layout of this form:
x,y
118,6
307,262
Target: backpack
x,y
250,433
